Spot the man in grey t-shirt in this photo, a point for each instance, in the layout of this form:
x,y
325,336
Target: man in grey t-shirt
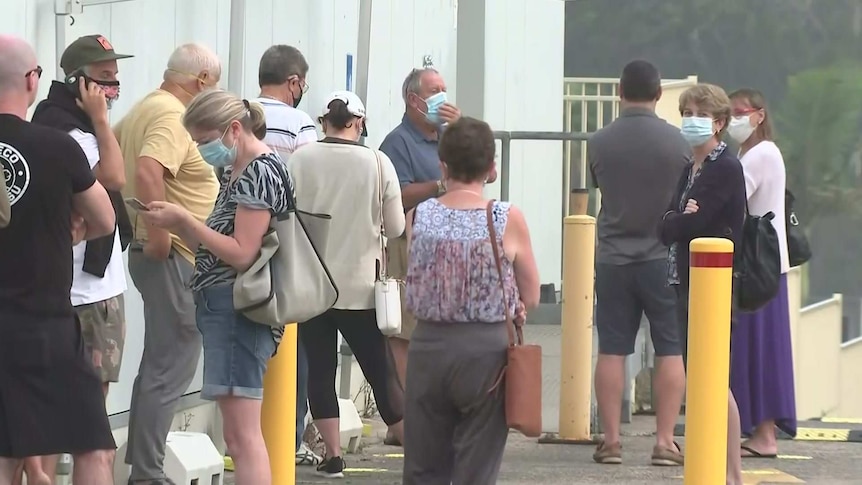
x,y
636,162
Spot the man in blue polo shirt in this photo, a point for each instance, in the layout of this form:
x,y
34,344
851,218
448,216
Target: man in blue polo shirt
x,y
412,147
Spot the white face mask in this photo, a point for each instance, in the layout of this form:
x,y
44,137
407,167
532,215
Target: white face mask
x,y
740,128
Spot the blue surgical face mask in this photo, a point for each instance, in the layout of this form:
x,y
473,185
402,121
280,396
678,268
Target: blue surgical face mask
x,y
433,103
217,154
697,130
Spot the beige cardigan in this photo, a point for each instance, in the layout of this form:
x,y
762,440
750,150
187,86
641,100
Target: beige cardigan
x,y
340,178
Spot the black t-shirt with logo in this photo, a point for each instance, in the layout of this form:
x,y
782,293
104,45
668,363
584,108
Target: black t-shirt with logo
x,y
43,168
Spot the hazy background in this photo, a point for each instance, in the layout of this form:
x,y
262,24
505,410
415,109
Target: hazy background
x,y
806,57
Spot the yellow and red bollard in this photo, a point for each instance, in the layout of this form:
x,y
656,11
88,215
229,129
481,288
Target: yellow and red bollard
x,y
711,271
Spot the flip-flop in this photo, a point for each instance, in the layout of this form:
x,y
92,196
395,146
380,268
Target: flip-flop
x,y
755,454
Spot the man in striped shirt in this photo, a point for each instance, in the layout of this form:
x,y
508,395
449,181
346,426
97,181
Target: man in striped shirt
x,y
281,76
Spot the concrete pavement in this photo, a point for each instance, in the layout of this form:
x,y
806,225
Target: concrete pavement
x,y
527,462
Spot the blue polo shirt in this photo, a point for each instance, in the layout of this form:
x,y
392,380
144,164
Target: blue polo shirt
x,y
415,157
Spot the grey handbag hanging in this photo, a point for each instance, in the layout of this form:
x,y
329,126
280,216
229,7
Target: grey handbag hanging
x,y
289,282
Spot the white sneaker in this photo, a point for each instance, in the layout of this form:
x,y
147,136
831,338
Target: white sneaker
x,y
306,457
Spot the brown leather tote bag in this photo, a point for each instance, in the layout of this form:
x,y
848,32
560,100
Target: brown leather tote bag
x,y
522,376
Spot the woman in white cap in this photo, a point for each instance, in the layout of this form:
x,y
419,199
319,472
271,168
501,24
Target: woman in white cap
x,y
341,177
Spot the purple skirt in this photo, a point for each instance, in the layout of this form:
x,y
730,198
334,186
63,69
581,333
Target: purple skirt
x,y
761,365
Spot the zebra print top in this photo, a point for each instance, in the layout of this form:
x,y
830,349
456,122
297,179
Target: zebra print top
x,y
260,186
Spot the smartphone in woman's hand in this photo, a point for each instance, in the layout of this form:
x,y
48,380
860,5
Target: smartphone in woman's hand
x,y
136,204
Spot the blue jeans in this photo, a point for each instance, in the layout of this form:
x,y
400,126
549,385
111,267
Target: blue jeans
x,y
301,391
236,350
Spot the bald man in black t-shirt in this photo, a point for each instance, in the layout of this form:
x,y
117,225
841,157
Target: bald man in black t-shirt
x,y
50,399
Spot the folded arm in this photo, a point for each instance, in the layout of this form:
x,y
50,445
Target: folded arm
x,y
712,191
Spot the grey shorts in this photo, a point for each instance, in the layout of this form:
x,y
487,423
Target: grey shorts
x,y
624,293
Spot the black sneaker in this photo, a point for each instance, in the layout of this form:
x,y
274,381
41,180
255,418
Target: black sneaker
x,y
331,467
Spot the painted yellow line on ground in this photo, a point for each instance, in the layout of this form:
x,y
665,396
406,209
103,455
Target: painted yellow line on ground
x,y
842,420
755,477
822,434
390,455
365,470
794,457
768,475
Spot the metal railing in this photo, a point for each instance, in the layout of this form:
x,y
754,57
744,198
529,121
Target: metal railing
x,y
506,138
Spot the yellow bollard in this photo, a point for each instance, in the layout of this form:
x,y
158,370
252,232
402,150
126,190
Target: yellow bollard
x,y
708,361
579,252
278,416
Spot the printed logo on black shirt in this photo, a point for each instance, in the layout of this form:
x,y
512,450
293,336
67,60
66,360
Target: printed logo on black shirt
x,y
16,172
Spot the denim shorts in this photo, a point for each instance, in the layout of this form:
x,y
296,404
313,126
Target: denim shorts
x,y
236,350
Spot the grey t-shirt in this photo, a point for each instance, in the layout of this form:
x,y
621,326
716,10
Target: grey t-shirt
x,y
415,157
636,162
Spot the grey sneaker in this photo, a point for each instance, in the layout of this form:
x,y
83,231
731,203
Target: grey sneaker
x,y
306,457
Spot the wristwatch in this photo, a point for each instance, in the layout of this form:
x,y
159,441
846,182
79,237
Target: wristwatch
x,y
441,188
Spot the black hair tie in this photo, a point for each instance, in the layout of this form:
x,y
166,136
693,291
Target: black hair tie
x,y
247,105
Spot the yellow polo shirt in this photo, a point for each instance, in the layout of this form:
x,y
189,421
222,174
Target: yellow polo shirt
x,y
153,128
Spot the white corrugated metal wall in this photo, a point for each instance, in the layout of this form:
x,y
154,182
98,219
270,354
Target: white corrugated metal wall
x,y
522,84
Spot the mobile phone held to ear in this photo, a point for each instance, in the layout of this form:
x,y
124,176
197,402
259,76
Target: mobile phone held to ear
x,y
136,204
72,81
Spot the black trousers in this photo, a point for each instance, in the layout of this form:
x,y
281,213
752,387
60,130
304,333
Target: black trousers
x,y
359,328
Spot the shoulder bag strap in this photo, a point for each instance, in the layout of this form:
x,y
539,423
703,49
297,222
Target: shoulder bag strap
x,y
384,270
513,329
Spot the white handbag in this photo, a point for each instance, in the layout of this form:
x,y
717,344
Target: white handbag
x,y
387,291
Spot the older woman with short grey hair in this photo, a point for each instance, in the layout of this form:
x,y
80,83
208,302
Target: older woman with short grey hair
x,y
709,202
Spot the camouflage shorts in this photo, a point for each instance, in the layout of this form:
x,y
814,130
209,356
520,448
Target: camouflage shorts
x,y
103,325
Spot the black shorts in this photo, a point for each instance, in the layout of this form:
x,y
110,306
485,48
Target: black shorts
x,y
51,398
624,293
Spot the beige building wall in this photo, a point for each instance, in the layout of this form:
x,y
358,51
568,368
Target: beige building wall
x,y
668,106
826,386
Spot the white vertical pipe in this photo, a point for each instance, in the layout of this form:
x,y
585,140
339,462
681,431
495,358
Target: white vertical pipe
x,y
59,43
236,49
363,50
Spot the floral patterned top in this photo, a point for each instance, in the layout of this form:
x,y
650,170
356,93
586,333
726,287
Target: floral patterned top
x,y
451,273
672,266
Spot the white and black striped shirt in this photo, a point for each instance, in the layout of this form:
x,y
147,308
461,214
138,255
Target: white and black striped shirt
x,y
287,128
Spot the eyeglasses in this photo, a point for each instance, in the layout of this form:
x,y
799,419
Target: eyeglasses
x,y
37,71
303,86
746,111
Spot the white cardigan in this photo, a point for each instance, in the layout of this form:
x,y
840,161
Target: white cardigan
x,y
765,180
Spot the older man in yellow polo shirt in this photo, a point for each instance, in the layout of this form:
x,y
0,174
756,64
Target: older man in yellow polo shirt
x,y
163,163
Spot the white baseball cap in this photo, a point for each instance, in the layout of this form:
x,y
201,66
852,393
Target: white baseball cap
x,y
354,105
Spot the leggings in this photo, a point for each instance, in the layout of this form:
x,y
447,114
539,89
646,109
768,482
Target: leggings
x,y
359,328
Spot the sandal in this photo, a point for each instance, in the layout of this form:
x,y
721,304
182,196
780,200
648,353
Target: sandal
x,y
752,453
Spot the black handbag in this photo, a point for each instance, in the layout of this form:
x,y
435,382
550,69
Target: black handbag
x,y
798,249
757,271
